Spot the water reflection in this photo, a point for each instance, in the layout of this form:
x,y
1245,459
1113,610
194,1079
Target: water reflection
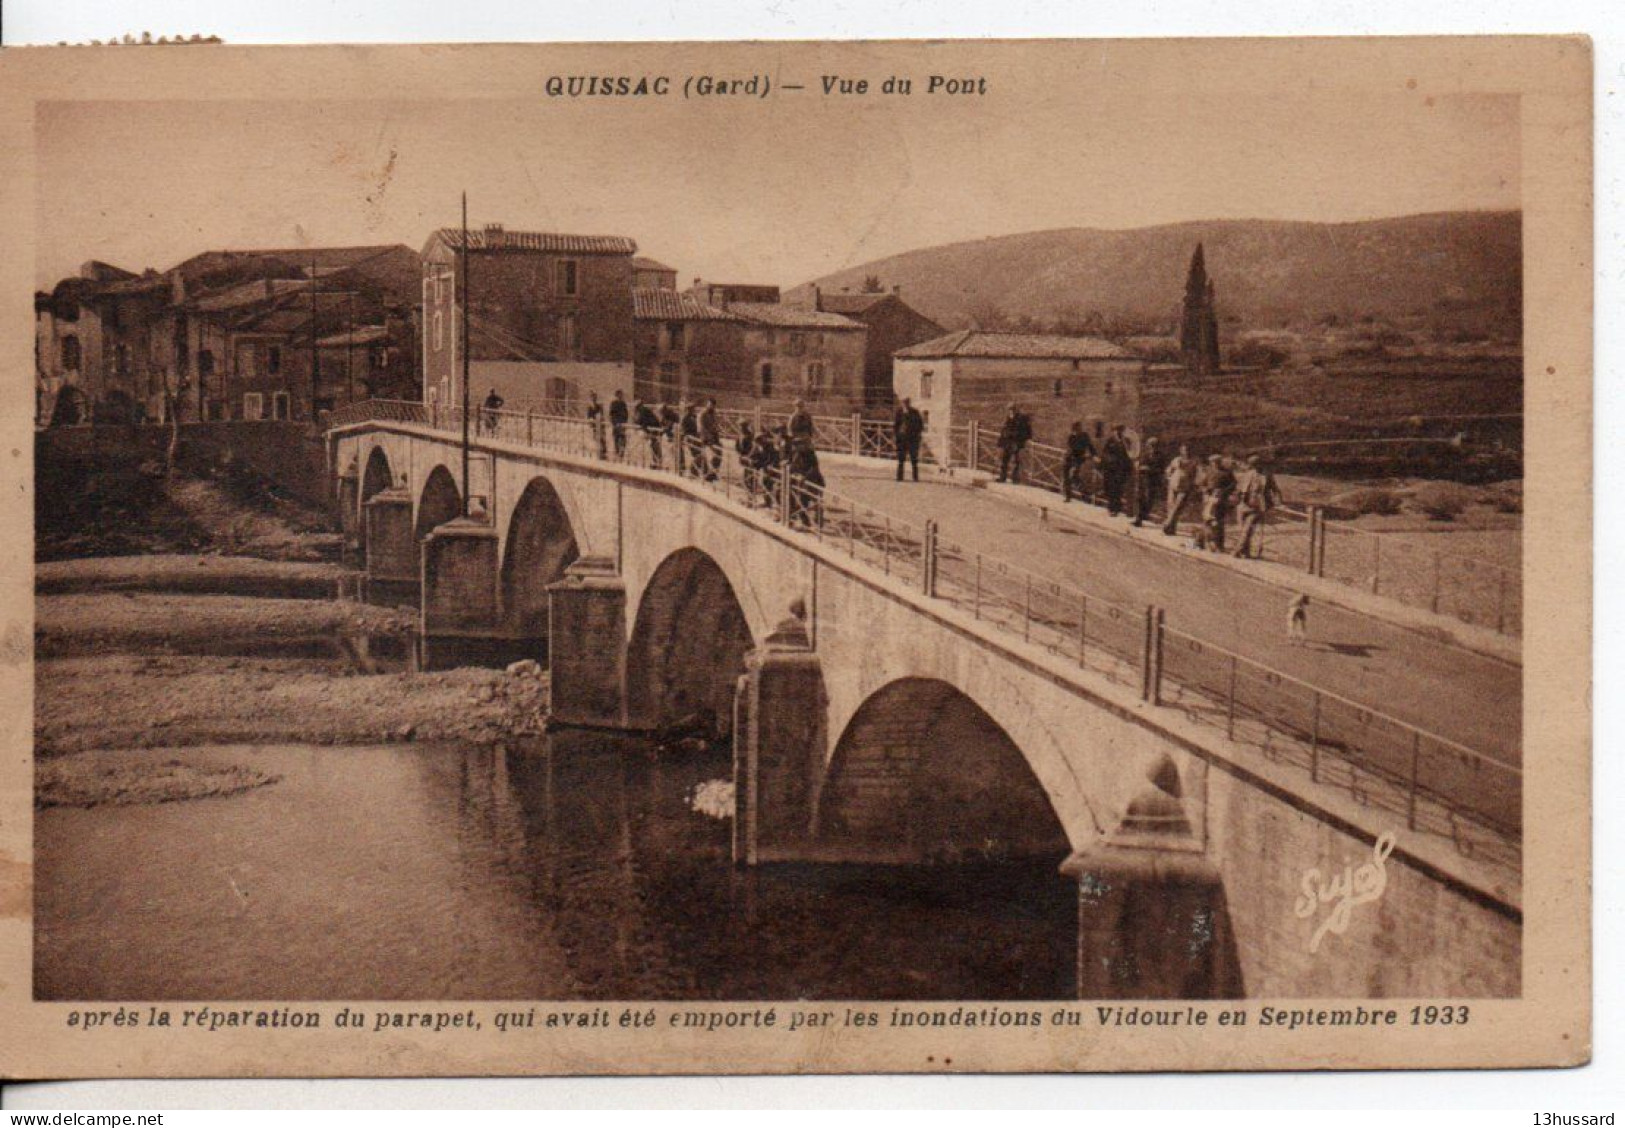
x,y
570,867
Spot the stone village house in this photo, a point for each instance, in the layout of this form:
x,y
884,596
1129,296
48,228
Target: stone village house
x,y
228,335
549,315
747,353
973,375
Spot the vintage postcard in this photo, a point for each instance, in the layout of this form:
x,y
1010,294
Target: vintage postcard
x,y
796,557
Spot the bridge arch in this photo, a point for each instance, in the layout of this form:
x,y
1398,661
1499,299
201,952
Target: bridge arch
x,y
376,477
439,502
921,768
540,545
688,644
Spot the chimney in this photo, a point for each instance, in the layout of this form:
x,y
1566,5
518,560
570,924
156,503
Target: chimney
x,y
493,228
818,299
897,290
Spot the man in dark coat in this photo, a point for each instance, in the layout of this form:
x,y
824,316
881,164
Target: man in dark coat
x,y
1014,436
648,421
710,440
1116,468
493,404
1150,468
801,423
1080,452
908,427
618,418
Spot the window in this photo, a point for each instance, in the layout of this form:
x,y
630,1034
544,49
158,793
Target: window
x,y
273,359
378,357
569,337
279,405
813,381
569,277
121,360
216,409
439,330
253,406
1057,385
247,360
1108,387
798,344
205,362
927,380
674,336
70,354
767,378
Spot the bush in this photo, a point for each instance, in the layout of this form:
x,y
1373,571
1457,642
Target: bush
x,y
1377,501
1442,501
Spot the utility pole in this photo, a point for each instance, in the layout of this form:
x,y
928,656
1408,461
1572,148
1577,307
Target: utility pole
x,y
349,341
315,353
462,292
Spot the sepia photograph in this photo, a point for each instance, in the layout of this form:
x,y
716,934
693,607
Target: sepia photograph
x,y
841,541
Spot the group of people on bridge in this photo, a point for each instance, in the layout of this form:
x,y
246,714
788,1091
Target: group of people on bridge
x,y
1137,477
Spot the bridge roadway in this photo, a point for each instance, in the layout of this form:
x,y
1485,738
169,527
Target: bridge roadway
x,y
1433,684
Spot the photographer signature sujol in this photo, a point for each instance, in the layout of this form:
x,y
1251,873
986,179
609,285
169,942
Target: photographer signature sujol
x,y
1355,885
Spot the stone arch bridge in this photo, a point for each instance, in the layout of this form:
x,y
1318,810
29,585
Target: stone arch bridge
x,y
873,721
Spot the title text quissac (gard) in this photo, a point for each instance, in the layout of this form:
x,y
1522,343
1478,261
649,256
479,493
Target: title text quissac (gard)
x,y
755,85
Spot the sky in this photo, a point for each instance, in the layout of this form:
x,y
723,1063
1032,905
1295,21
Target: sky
x,y
778,191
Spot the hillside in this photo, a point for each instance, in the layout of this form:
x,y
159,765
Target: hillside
x,y
1446,272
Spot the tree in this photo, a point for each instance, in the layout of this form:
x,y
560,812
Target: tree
x,y
871,284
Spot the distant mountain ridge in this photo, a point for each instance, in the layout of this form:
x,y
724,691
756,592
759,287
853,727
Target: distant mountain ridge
x,y
1446,267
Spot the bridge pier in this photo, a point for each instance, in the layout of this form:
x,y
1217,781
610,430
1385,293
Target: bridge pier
x,y
348,491
461,613
586,613
779,739
1153,922
392,550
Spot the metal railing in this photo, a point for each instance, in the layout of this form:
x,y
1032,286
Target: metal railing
x,y
1442,787
1454,584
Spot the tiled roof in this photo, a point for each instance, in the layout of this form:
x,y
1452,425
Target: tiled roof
x,y
248,293
543,241
849,303
641,263
301,257
669,305
789,317
362,335
1016,346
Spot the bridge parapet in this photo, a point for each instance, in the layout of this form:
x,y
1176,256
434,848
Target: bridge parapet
x,y
1282,731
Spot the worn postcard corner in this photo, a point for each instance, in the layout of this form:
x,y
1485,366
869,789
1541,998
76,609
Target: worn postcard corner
x,y
832,556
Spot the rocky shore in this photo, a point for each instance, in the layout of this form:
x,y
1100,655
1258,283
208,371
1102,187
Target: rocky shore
x,y
129,672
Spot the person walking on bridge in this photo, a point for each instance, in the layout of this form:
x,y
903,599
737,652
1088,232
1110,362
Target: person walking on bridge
x,y
689,456
908,427
1149,470
801,423
1259,494
1218,490
1116,468
710,439
648,421
493,404
1080,452
745,448
1181,475
618,418
595,419
1014,436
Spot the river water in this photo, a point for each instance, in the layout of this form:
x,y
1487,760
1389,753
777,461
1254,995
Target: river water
x,y
572,867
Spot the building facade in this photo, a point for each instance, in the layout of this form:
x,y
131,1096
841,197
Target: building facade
x,y
747,354
892,324
973,375
551,312
224,335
